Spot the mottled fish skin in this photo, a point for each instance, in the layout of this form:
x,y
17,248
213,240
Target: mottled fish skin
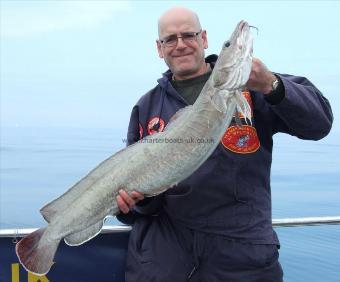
x,y
150,166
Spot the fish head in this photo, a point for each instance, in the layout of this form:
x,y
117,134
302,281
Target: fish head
x,y
233,66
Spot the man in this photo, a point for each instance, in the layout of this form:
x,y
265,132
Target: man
x,y
216,224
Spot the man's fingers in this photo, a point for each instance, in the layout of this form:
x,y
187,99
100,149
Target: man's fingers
x,y
126,197
125,201
122,205
137,196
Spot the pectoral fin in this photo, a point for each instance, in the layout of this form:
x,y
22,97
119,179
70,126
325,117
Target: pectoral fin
x,y
219,101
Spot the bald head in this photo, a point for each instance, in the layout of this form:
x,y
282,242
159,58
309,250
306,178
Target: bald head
x,y
185,58
177,16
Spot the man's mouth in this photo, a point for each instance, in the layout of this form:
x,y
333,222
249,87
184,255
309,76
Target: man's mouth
x,y
182,55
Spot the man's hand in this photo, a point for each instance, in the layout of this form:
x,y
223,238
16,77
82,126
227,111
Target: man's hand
x,y
260,79
126,202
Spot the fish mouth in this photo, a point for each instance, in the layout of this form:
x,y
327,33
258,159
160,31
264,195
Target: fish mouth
x,y
242,31
243,35
236,57
245,26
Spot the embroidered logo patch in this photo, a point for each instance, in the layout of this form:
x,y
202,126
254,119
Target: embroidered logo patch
x,y
155,125
241,139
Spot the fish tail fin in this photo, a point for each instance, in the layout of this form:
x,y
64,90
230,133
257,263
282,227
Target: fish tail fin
x,y
36,255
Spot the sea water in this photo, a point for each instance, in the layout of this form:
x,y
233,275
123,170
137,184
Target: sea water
x,y
38,164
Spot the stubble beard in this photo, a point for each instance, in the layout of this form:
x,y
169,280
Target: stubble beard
x,y
184,71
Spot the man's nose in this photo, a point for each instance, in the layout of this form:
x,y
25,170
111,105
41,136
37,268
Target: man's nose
x,y
180,43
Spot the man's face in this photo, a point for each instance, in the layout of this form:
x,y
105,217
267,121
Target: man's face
x,y
186,57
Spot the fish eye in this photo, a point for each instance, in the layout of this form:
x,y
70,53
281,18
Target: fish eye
x,y
227,44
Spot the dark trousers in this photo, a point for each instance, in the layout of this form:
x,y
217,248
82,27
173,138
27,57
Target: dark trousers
x,y
159,251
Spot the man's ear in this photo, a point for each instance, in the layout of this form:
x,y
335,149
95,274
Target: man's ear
x,y
205,39
159,49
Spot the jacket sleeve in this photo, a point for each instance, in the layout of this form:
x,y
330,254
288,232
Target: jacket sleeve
x,y
303,111
149,205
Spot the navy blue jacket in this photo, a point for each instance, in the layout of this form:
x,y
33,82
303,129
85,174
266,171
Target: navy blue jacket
x,y
230,193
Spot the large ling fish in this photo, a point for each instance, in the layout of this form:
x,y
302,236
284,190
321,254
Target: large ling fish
x,y
151,166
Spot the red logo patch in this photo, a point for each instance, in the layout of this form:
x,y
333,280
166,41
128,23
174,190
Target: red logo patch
x,y
155,125
241,139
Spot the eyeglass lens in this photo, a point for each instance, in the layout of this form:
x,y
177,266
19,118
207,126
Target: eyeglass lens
x,y
187,37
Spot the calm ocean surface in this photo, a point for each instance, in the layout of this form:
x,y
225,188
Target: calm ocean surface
x,y
38,164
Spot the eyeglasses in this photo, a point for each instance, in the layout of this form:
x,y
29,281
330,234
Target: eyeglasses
x,y
172,40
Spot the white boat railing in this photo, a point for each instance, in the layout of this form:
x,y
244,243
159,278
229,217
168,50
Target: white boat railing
x,y
281,222
303,221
